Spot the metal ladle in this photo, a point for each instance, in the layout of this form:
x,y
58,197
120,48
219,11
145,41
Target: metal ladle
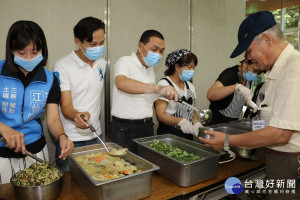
x,y
94,131
205,115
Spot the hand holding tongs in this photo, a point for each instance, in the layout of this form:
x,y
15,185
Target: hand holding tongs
x,y
2,139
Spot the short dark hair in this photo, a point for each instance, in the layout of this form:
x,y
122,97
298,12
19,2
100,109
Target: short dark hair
x,y
20,34
150,33
184,60
85,28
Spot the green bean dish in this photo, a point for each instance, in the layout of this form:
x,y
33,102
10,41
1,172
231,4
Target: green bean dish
x,y
173,152
37,174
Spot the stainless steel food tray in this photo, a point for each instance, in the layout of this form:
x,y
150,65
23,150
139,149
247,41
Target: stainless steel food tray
x,y
183,174
245,123
134,186
230,129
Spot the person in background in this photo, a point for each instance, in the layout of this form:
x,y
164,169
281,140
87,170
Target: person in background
x,y
27,89
81,78
258,97
135,91
264,42
226,94
173,117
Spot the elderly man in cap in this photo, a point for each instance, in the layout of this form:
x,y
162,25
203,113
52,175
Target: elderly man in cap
x,y
264,43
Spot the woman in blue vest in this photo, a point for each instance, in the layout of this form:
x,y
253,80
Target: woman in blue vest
x,y
26,90
176,118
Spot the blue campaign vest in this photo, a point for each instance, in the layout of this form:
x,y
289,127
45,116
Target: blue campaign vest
x,y
21,109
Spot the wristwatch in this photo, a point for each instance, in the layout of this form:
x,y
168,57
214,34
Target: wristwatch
x,y
226,142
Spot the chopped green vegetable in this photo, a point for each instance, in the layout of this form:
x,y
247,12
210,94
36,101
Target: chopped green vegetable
x,y
173,152
201,131
206,116
37,174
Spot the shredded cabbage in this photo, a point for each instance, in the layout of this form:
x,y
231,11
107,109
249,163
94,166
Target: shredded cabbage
x,y
37,174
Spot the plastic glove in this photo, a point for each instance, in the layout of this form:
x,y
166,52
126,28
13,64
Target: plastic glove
x,y
169,92
245,92
252,106
187,127
158,91
197,125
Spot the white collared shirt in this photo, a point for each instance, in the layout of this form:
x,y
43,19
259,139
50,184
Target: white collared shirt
x,y
132,106
85,84
282,94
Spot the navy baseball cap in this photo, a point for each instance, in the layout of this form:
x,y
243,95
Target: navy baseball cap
x,y
253,25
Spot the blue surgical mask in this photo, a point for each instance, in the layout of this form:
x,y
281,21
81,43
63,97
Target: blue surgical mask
x,y
186,75
28,65
250,76
94,53
152,58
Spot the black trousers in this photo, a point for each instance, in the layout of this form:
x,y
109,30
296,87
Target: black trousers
x,y
123,133
167,129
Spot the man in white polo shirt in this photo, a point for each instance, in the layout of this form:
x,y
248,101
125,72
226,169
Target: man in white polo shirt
x,y
80,75
135,91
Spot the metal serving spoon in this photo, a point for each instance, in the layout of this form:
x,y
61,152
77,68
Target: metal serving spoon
x,y
2,139
94,131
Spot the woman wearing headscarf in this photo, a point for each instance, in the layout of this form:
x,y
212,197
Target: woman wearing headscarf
x,y
177,118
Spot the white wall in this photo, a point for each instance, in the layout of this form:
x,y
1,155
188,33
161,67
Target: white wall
x,y
214,36
57,19
214,30
130,18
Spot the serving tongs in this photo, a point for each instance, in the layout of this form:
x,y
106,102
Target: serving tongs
x,y
2,139
91,127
